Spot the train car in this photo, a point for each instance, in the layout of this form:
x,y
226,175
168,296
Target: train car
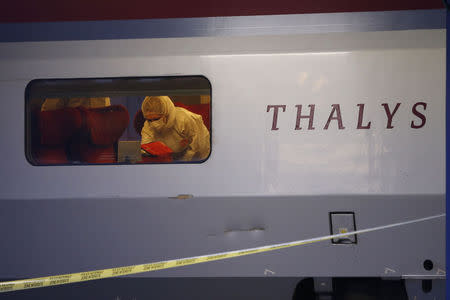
x,y
140,141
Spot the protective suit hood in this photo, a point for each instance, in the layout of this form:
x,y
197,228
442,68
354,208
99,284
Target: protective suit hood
x,y
160,105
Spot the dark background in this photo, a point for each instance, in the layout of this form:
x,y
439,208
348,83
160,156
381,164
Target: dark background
x,y
83,10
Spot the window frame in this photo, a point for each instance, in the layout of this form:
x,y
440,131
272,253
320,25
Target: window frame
x,y
28,147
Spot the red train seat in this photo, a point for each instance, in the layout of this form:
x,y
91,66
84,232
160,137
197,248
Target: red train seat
x,y
103,128
56,127
80,134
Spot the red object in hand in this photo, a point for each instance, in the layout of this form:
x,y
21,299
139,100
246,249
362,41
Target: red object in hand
x,y
157,149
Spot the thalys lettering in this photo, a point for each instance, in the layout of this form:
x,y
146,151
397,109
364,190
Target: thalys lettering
x,y
305,116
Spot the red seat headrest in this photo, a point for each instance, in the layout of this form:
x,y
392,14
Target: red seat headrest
x,y
57,126
105,125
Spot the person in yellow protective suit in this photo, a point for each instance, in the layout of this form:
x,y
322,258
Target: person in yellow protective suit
x,y
181,130
58,103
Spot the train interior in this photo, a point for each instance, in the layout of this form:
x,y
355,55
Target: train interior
x,y
99,121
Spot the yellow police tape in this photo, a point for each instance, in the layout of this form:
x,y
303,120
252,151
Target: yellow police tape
x,y
134,269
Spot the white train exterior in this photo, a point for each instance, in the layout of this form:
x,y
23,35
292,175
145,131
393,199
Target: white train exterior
x,y
302,124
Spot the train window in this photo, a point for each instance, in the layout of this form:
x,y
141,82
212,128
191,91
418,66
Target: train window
x,y
118,120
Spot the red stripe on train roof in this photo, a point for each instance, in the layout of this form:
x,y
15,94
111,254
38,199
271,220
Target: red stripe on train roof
x,y
84,10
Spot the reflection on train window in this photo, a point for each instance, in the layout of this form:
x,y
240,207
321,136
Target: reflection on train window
x,y
118,120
